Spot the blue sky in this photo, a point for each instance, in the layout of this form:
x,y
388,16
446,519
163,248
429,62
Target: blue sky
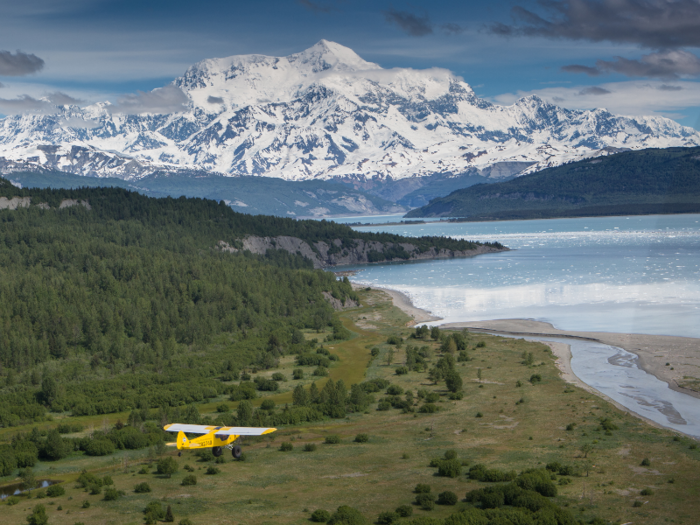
x,y
630,56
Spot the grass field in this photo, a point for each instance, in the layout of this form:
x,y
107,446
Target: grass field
x,y
520,427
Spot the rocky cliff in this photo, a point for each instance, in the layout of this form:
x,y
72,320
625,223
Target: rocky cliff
x,y
324,255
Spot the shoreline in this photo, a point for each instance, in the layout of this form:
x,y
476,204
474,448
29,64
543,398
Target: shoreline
x,y
653,351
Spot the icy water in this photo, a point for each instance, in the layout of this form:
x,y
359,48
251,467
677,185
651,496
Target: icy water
x,y
637,274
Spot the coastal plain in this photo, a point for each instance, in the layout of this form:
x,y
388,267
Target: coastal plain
x,y
506,420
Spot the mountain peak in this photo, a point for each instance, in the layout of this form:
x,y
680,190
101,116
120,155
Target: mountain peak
x,y
326,55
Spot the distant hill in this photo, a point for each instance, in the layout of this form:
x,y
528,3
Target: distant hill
x,y
630,183
254,195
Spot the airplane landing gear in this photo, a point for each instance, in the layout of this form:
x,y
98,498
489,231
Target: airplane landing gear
x,y
236,452
217,451
179,454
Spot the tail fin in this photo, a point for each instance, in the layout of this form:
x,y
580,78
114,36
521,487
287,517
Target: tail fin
x,y
182,441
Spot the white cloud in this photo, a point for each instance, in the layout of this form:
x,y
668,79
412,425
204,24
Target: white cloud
x,y
633,98
168,99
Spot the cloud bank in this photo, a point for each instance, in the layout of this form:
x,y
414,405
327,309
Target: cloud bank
x,y
670,64
19,64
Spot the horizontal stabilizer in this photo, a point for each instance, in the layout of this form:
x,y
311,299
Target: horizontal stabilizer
x,y
225,431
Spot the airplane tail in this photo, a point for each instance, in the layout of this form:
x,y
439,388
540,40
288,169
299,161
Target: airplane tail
x,y
182,441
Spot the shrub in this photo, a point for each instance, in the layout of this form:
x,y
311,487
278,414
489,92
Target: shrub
x,y
432,397
309,447
387,518
298,373
404,511
112,494
267,404
425,501
222,408
428,408
479,414
394,390
38,516
480,344
95,489
186,521
333,439
456,396
453,381
143,470
450,468
107,481
570,426
320,516
647,492
422,488
646,462
535,378
375,351
394,340
154,512
347,516
278,376
40,494
637,503
99,447
383,406
447,498
286,446
361,438
211,470
450,454
86,504
55,490
321,371
166,466
189,480
607,425
142,488
481,473
401,370
12,500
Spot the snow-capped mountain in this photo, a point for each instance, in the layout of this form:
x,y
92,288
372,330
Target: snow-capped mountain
x,y
323,113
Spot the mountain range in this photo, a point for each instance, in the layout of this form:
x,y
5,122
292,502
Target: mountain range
x,y
325,114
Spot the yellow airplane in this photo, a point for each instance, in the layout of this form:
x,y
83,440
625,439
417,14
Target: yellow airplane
x,y
216,438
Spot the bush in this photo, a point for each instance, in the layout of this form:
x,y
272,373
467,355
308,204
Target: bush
x,y
450,454
394,340
432,397
428,408
286,446
142,488
447,498
166,466
347,516
38,516
154,512
320,371
453,381
401,370
278,376
535,378
404,511
637,503
479,414
383,406
333,439
55,490
480,344
481,473
212,470
361,438
112,494
222,408
570,426
450,468
375,351
647,492
425,501
456,396
186,521
86,504
387,518
309,447
188,481
99,447
12,500
645,462
267,404
394,390
320,516
298,373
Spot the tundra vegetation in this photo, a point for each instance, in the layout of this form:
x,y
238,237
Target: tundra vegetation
x,y
362,444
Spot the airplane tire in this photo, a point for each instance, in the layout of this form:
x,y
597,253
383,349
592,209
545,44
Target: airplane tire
x,y
236,452
217,451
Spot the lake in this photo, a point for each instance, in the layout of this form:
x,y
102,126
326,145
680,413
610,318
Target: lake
x,y
638,274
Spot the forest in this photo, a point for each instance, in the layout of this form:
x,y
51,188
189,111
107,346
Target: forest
x,y
632,182
128,305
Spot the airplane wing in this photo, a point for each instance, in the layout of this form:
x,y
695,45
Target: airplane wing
x,y
226,431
